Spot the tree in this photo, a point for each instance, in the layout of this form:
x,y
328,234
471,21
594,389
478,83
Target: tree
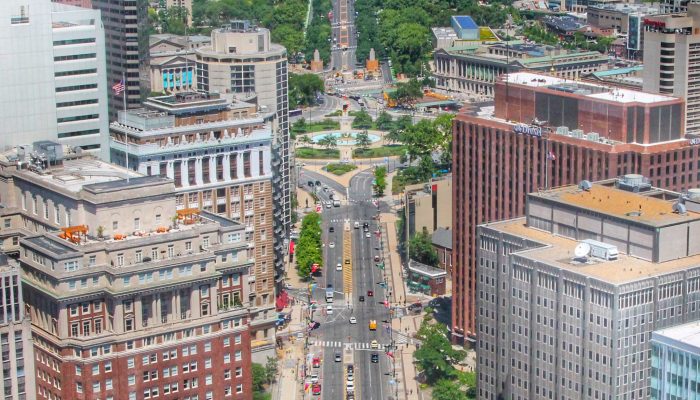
x,y
380,180
271,369
384,121
422,250
404,122
299,126
303,89
448,390
436,355
362,139
259,378
328,141
407,93
305,139
362,120
308,247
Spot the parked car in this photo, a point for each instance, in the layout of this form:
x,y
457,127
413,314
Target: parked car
x,y
370,293
362,298
316,389
375,358
316,362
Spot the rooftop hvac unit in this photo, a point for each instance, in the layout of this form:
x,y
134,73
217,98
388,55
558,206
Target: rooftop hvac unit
x,y
633,183
602,250
593,136
585,185
577,133
563,130
679,208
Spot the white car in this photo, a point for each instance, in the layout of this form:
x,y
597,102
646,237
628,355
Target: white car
x,y
331,245
314,378
339,267
329,309
351,378
368,235
353,320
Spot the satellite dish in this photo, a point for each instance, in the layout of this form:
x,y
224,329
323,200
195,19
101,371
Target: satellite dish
x,y
582,250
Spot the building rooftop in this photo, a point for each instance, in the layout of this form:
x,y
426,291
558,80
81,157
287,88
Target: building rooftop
x,y
465,22
121,184
653,207
586,89
426,270
688,334
627,8
563,23
442,32
618,71
558,251
443,237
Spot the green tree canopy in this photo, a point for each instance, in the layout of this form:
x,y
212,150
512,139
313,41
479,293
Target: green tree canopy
x,y
328,141
303,89
362,120
384,121
362,139
422,250
308,247
445,389
259,379
380,180
436,355
407,93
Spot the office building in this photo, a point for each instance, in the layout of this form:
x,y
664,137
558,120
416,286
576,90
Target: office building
x,y
129,297
55,85
126,45
219,154
172,62
17,375
77,3
547,132
243,62
671,55
428,205
475,68
616,16
569,294
675,355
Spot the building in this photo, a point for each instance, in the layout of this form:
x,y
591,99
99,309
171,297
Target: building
x,y
475,68
15,336
565,26
674,6
126,33
129,297
570,294
429,205
617,15
243,62
219,155
442,243
671,44
172,62
66,98
426,279
464,27
624,77
675,354
443,37
547,132
186,4
77,3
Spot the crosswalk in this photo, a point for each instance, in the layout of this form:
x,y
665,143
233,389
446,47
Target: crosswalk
x,y
343,345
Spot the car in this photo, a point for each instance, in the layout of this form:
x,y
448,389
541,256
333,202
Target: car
x,y
314,378
368,235
357,225
347,261
365,225
351,378
376,258
318,183
329,204
351,369
374,344
331,229
316,362
338,357
375,358
311,183
370,293
339,267
350,386
362,298
331,245
316,389
314,325
353,320
329,309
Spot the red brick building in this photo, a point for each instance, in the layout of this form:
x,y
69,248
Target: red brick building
x,y
547,132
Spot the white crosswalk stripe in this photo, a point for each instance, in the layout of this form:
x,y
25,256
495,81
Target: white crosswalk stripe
x,y
336,344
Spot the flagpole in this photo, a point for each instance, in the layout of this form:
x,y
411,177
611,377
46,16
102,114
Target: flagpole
x,y
126,136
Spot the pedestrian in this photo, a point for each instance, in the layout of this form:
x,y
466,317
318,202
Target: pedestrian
x,y
411,391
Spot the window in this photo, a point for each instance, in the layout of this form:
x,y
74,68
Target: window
x,y
98,326
79,387
154,253
71,266
92,261
96,369
139,256
188,246
115,225
171,251
204,291
205,242
108,384
120,259
78,370
137,223
130,362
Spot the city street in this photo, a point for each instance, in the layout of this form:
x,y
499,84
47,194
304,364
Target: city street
x,y
345,38
336,336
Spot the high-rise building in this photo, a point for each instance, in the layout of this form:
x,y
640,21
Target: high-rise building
x,y
569,295
129,297
55,87
17,375
243,62
672,59
126,46
218,153
77,3
171,62
547,132
675,357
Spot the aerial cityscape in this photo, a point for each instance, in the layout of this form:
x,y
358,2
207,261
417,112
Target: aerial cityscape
x,y
350,199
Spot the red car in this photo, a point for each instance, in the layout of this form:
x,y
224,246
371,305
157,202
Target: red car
x,y
370,293
316,389
316,363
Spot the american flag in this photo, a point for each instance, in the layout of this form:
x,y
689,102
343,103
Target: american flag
x,y
118,87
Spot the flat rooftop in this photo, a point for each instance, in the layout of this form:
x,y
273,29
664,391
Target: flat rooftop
x,y
653,207
585,89
426,270
76,174
558,251
687,333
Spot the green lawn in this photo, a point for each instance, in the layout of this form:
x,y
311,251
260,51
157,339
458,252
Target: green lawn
x,y
308,152
336,113
384,151
325,125
340,169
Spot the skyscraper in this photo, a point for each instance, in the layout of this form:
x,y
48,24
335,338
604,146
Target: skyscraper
x,y
242,61
126,47
546,132
55,85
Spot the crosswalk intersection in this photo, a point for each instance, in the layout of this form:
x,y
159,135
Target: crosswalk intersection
x,y
340,344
